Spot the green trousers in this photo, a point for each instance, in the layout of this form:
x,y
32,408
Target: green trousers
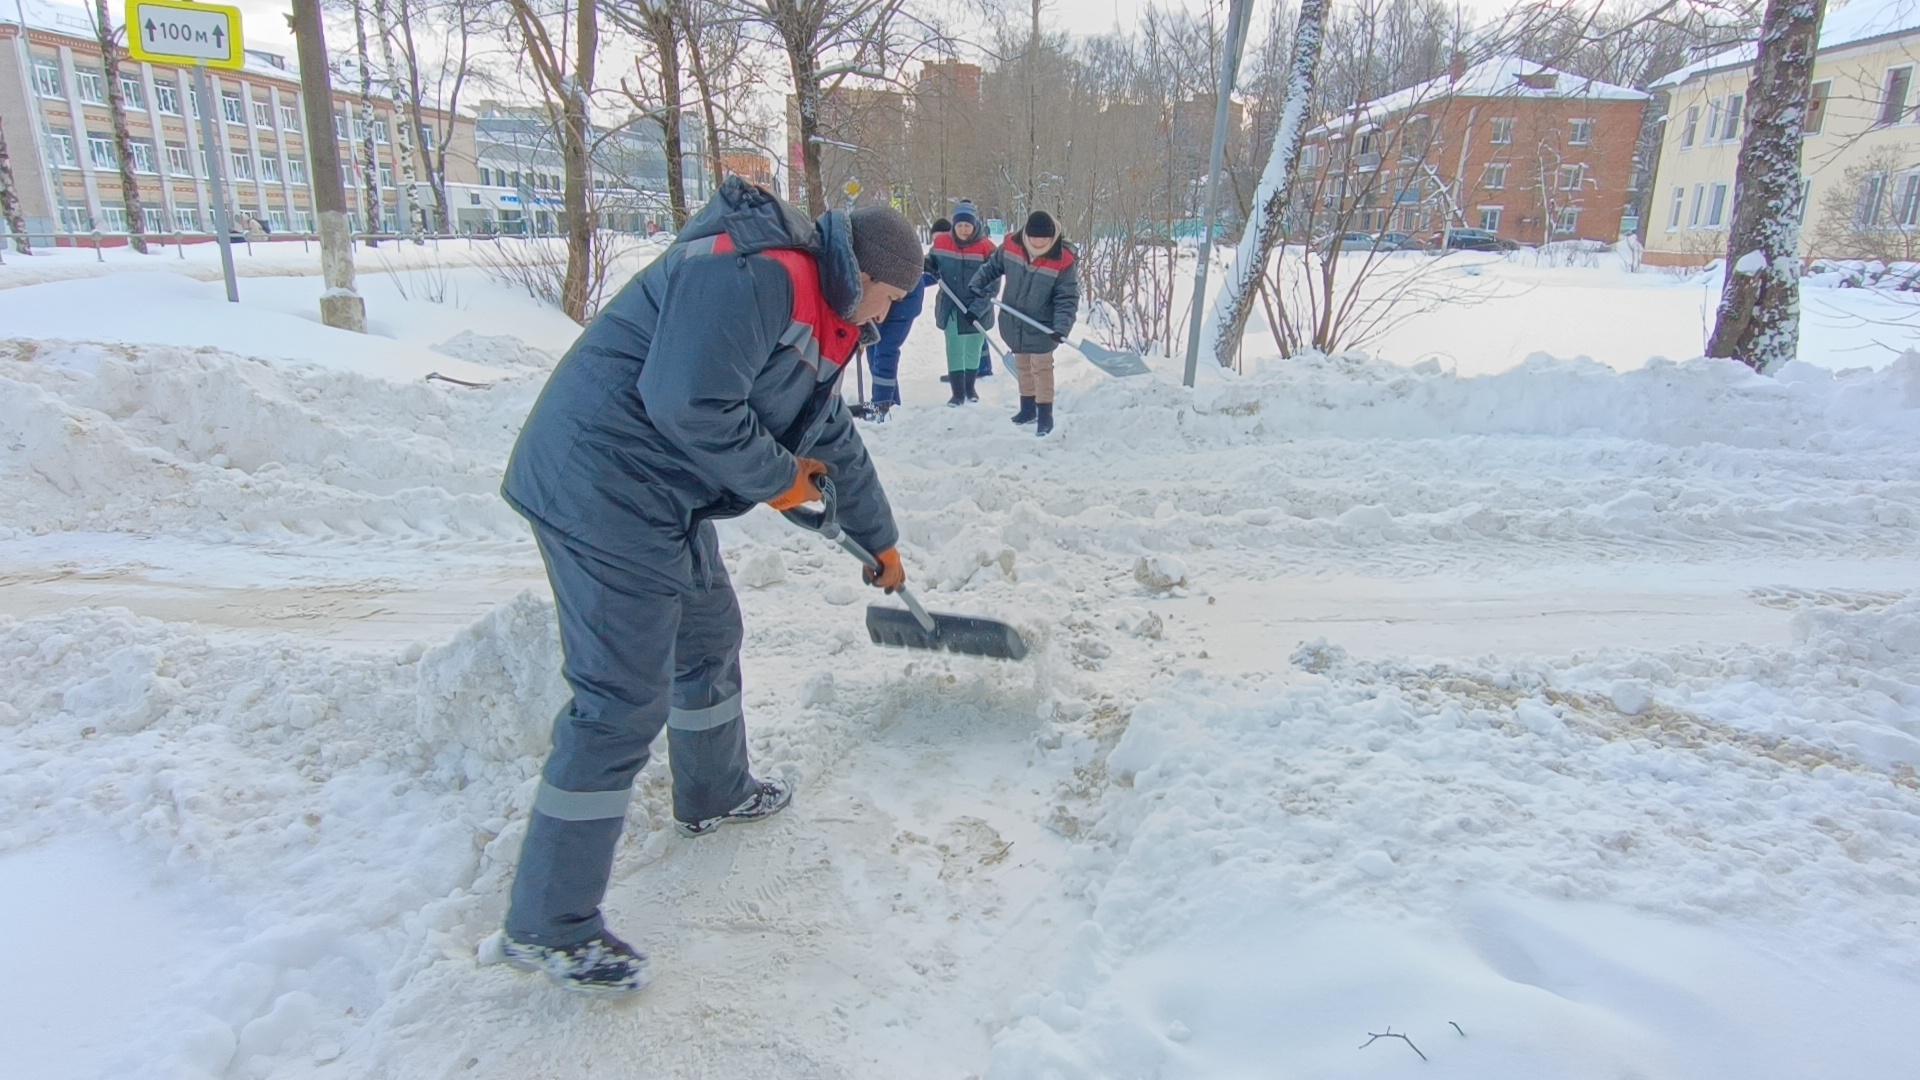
x,y
963,350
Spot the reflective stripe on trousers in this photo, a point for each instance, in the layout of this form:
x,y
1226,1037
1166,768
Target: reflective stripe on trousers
x,y
638,659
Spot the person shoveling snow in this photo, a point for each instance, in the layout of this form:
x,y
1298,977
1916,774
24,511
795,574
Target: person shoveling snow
x,y
709,385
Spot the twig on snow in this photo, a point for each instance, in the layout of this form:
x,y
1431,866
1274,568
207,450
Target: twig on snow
x,y
1456,1027
1391,1034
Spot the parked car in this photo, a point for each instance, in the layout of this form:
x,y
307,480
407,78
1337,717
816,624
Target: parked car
x,y
1474,240
1351,241
1399,241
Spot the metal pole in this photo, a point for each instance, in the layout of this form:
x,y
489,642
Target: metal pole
x,y
1238,14
222,227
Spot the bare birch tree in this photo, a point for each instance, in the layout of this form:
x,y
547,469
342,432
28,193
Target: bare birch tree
x,y
406,119
369,159
562,42
1759,318
658,22
10,201
122,138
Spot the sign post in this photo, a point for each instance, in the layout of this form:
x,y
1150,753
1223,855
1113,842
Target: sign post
x,y
203,35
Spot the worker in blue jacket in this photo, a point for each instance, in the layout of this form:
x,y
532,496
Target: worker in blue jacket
x,y
710,384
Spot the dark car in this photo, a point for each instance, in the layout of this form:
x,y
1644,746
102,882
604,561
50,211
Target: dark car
x,y
1476,240
1399,241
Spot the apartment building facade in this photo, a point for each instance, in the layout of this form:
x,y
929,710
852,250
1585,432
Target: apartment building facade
x,y
1859,154
60,137
1521,150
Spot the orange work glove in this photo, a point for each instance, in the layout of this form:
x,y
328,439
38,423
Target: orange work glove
x,y
891,574
805,487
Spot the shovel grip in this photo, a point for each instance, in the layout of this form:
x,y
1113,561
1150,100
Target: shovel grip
x,y
826,522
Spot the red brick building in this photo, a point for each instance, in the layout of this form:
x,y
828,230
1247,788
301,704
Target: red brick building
x,y
1510,146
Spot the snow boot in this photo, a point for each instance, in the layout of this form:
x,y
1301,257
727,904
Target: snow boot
x,y
957,383
1028,412
768,799
1045,425
881,412
603,964
973,396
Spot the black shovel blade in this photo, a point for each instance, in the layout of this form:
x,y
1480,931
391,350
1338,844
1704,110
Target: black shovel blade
x,y
951,633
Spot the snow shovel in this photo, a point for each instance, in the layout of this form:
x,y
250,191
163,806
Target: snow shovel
x,y
1112,361
913,628
1006,358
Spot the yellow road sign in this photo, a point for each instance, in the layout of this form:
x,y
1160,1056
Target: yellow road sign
x,y
179,32
852,189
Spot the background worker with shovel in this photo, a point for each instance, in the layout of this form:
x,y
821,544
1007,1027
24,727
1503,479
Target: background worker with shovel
x,y
1043,289
710,384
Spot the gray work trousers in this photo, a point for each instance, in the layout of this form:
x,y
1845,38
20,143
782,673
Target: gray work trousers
x,y
639,656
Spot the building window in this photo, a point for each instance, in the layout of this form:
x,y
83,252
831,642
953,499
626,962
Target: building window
x,y
1567,223
262,115
1310,156
1906,208
1490,218
380,131
131,93
155,220
1719,206
101,150
277,220
426,137
93,88
1692,127
486,176
303,221
1731,129
177,160
230,107
142,151
289,118
342,127
269,169
115,218
1503,131
473,198
1679,206
242,166
1582,133
1495,178
386,178
1899,81
1866,215
1570,176
166,98
1713,121
61,147
1800,208
1699,203
206,169
75,219
1817,107
193,99
46,79
297,170
186,219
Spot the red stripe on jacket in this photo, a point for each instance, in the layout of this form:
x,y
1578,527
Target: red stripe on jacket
x,y
946,244
837,337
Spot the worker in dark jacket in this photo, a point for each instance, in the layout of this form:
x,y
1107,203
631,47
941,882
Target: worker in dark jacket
x,y
884,356
709,385
1043,283
955,258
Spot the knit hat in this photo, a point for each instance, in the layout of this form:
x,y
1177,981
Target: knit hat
x,y
941,225
1041,226
966,213
886,246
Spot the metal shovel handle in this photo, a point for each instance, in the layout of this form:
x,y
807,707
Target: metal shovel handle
x,y
1006,357
826,522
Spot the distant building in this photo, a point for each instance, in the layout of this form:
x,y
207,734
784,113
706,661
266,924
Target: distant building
x,y
863,137
1519,149
749,163
522,174
1861,143
60,137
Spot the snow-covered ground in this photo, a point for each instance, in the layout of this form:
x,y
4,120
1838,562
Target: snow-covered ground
x,y
1563,718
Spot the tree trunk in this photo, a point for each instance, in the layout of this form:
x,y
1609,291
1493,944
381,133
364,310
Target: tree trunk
x,y
405,120
10,201
340,306
433,160
1758,322
704,84
663,32
806,93
1264,230
576,149
1033,107
122,138
369,161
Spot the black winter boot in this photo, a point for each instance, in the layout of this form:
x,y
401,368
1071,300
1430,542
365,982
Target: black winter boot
x,y
957,382
972,394
1028,411
1045,426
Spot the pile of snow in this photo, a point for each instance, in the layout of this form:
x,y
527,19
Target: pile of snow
x,y
1863,274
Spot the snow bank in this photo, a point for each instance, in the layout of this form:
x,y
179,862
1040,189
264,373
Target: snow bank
x,y
206,443
1279,870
